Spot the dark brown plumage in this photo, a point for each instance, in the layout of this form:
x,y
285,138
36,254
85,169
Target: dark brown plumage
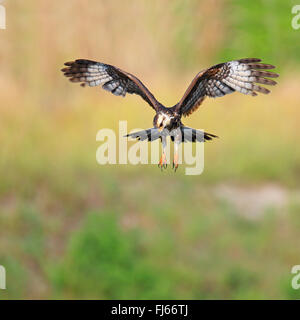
x,y
239,75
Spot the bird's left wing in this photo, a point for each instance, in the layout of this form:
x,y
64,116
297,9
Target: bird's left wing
x,y
111,78
224,78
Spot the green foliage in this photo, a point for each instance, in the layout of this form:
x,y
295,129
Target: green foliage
x,y
261,29
16,278
102,261
184,33
31,229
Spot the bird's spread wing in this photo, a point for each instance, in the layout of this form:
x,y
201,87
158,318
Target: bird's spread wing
x,y
238,75
113,79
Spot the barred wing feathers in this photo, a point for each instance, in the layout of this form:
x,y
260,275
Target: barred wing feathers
x,y
238,75
113,79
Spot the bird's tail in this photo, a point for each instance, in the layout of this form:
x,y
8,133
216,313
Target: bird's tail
x,y
187,135
147,134
193,135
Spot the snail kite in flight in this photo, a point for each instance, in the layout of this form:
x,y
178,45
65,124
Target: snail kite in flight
x,y
241,75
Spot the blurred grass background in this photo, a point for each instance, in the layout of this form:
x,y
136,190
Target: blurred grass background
x,y
70,228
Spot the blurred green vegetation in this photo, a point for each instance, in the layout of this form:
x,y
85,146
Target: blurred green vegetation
x,y
262,26
70,228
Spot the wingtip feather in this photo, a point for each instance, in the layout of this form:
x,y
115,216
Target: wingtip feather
x,y
69,63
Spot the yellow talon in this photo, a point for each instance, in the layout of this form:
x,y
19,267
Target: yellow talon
x,y
163,162
175,161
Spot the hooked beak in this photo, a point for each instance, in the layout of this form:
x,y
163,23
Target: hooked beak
x,y
160,128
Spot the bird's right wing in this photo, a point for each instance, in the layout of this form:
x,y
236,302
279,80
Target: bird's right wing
x,y
113,79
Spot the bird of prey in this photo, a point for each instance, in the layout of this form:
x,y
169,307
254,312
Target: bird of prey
x,y
241,75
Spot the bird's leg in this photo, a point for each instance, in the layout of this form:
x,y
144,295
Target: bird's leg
x,y
175,161
176,154
163,159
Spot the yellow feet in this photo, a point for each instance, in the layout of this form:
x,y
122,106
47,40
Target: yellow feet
x,y
163,162
175,161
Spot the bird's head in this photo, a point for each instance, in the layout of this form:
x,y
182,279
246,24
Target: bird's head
x,y
161,121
